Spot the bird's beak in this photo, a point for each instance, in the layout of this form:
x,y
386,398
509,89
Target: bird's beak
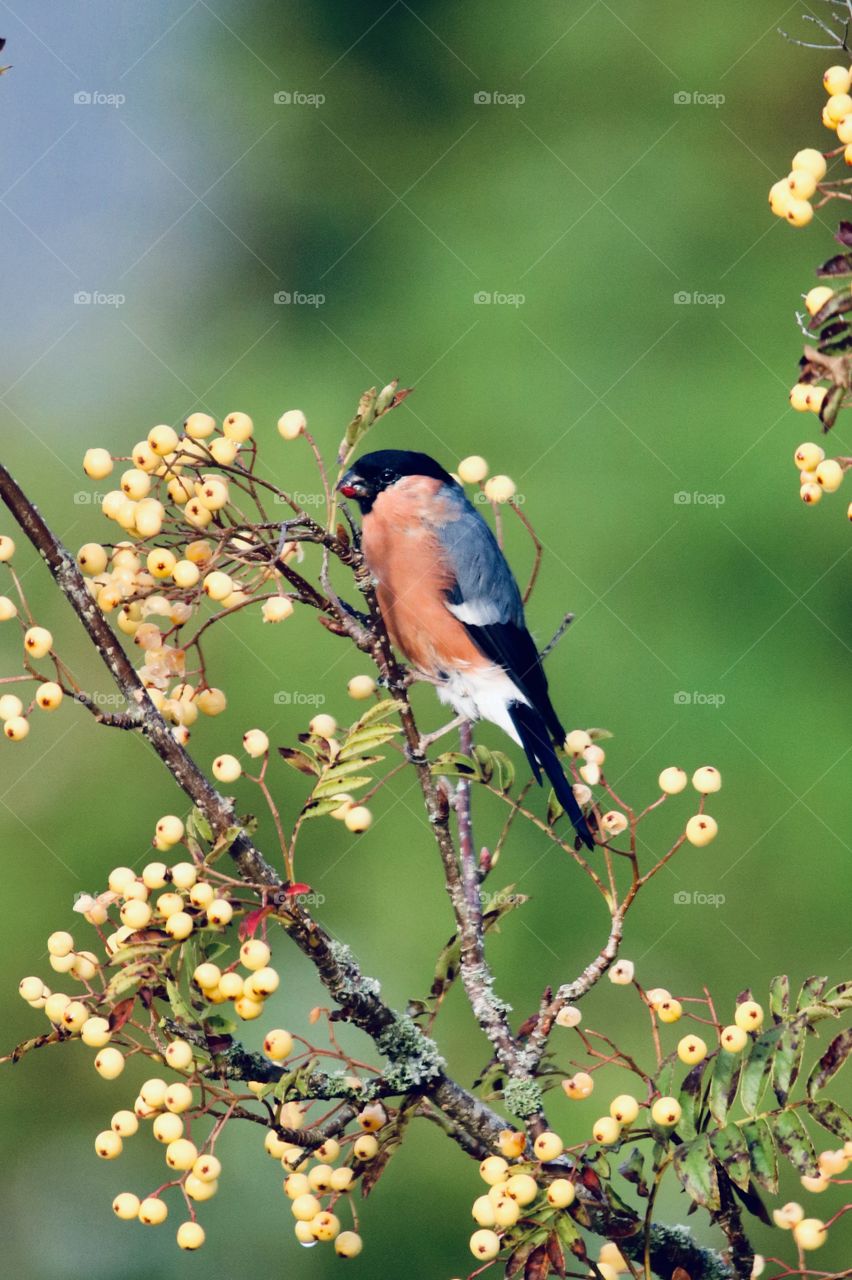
x,y
352,486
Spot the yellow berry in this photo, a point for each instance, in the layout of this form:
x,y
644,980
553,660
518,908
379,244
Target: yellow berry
x,y
484,1245
493,1169
706,780
548,1146
38,642
207,1168
291,424
808,456
802,182
181,1154
836,80
255,743
810,1233
126,1205
49,695
124,1123
365,1147
561,1193
580,1085
358,818
190,1235
472,470
153,1211
227,768
691,1049
239,426
624,1108
108,1145
733,1039
109,1063
277,609
810,494
499,489
669,1010
829,475
606,1131
206,975
361,687
348,1244
179,1055
163,439
167,1128
666,1112
97,463
749,1015
701,829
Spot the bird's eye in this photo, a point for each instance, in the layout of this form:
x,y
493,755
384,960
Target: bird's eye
x,y
388,475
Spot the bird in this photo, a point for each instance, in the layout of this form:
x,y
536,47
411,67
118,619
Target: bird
x,y
452,607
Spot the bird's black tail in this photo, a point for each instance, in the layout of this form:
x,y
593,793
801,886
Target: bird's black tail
x,y
535,740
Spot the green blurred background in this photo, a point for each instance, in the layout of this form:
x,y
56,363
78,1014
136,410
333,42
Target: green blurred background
x,y
713,629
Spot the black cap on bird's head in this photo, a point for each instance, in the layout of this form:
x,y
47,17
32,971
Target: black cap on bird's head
x,y
377,471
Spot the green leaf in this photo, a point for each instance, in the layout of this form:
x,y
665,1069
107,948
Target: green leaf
x,y
757,1068
180,1008
129,978
787,1061
690,1099
455,765
554,809
378,711
723,1084
793,1142
319,808
811,991
632,1171
830,1062
505,771
761,1149
731,1151
696,1169
337,771
779,996
198,825
367,739
599,735
299,760
832,1117
485,761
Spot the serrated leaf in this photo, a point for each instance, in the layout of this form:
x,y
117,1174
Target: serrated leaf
x,y
505,771
787,1060
455,765
180,1008
378,711
723,1084
811,991
486,764
690,1099
319,808
198,825
121,1013
599,735
755,1071
761,1150
366,739
632,1171
128,979
337,771
831,404
299,760
831,1117
838,305
839,265
334,786
731,1150
696,1170
554,809
792,1140
779,996
830,1062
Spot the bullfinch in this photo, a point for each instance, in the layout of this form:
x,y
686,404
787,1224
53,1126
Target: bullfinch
x,y
452,607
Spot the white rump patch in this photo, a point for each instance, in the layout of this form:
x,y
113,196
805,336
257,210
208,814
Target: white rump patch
x,y
476,613
482,694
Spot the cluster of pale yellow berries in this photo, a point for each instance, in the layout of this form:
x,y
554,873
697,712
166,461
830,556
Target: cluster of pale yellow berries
x,y
812,1233
817,473
790,198
168,468
665,1112
474,471
706,780
517,1189
357,818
